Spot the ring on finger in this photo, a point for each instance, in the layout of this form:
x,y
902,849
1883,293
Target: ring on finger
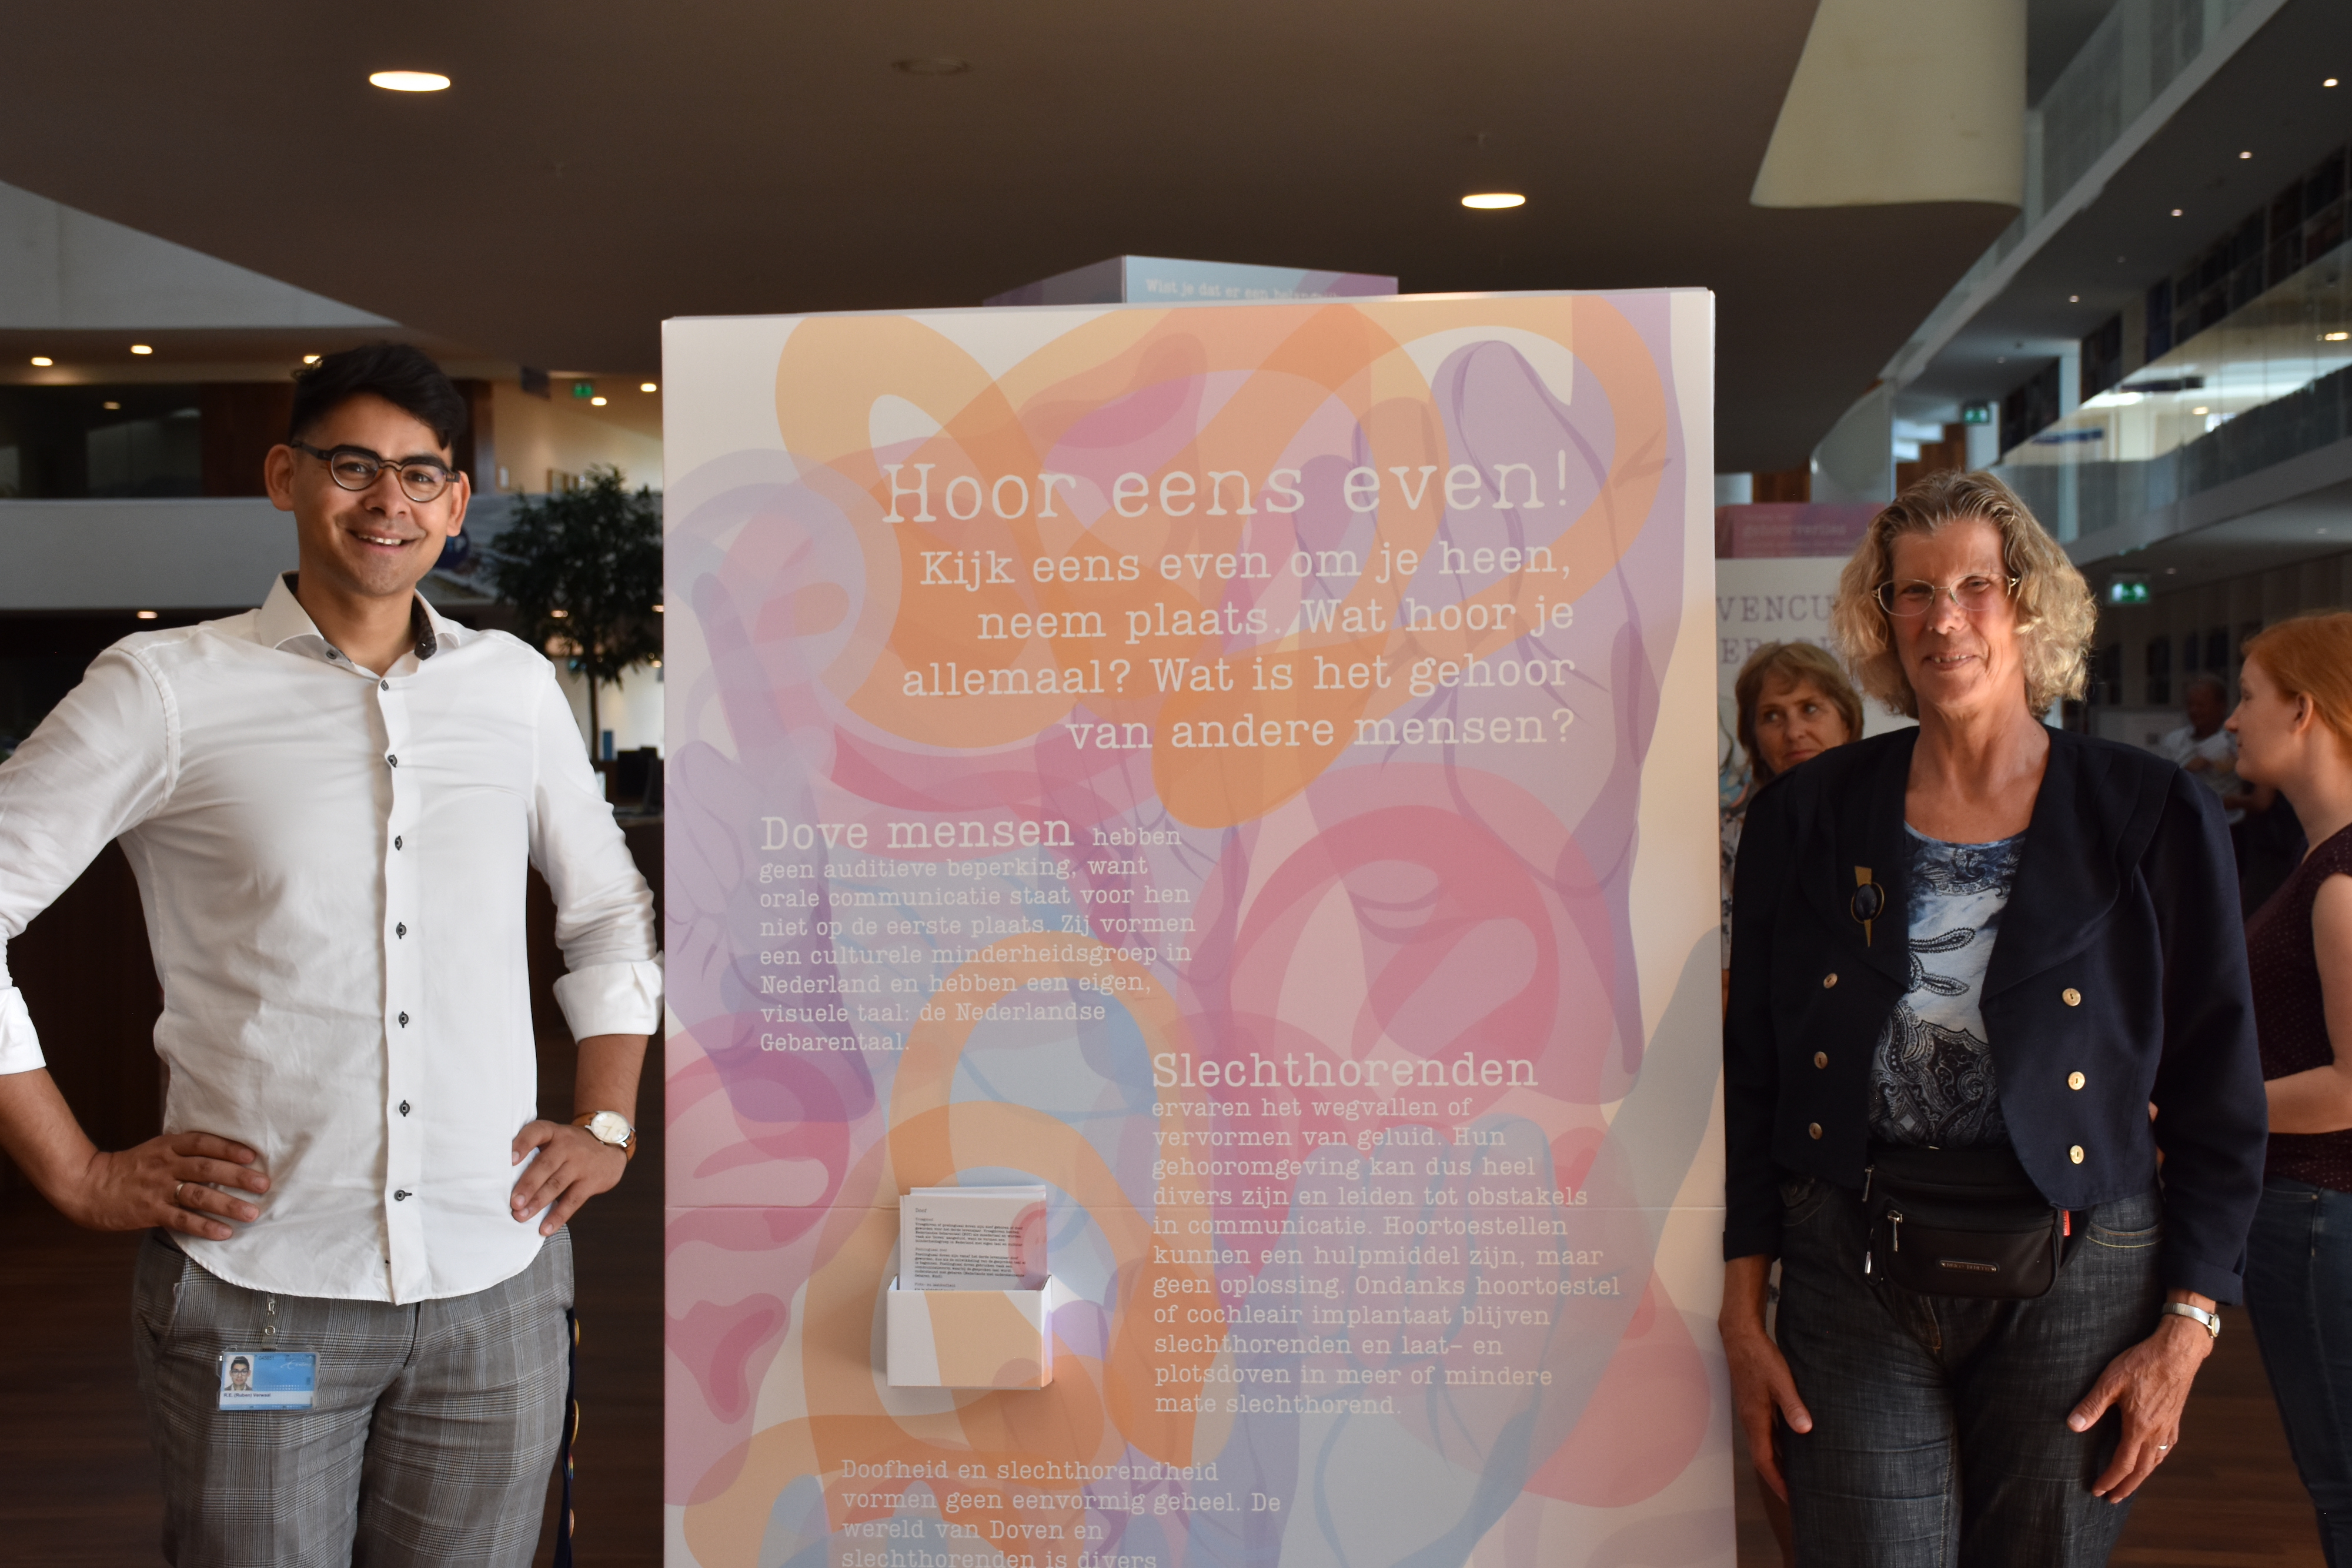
x,y
175,1190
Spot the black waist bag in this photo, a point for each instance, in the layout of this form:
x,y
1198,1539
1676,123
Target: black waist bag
x,y
1959,1222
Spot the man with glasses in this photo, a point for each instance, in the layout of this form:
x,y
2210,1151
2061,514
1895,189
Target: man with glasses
x,y
330,803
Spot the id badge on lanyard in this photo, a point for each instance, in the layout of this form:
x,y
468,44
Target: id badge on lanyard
x,y
268,1379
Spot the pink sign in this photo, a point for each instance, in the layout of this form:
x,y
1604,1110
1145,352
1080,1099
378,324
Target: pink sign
x,y
1247,768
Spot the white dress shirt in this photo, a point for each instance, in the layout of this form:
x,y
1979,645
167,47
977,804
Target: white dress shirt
x,y
332,864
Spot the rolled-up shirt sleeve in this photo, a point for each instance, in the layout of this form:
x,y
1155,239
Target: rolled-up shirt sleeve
x,y
99,764
603,908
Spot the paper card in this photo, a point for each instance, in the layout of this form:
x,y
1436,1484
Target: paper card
x,y
268,1379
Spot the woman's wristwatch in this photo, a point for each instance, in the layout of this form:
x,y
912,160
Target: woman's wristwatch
x,y
610,1127
2210,1322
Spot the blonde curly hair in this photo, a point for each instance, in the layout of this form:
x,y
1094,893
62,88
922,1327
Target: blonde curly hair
x,y
2055,614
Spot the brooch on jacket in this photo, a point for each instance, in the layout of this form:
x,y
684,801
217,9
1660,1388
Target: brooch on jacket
x,y
1869,901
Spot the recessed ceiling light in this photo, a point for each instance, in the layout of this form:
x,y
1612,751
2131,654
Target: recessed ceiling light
x,y
2329,82
1494,201
43,360
145,614
2244,155
2073,300
658,608
2334,336
649,386
2176,212
309,359
408,81
596,403
559,614
2198,410
141,349
932,65
109,402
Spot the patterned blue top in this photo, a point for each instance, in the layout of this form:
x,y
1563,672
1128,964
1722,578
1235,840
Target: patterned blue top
x,y
1931,1077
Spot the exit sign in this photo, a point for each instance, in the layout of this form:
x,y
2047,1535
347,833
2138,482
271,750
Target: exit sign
x,y
583,389
1977,413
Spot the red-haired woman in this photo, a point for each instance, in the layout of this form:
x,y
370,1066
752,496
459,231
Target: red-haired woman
x,y
2294,726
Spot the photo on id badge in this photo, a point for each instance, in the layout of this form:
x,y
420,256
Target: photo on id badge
x,y
268,1379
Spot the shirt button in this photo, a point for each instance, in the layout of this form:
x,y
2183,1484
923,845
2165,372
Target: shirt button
x,y
402,930
399,1196
1828,980
2074,1080
2076,1154
1813,1130
1820,1059
403,1020
2071,997
383,686
391,760
404,1107
334,653
395,840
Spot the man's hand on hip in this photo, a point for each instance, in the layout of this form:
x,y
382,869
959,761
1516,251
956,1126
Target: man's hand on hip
x,y
173,1181
573,1166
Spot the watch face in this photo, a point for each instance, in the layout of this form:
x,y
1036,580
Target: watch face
x,y
609,1126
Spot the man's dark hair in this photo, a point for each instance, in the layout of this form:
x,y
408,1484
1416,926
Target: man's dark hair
x,y
402,376
236,1361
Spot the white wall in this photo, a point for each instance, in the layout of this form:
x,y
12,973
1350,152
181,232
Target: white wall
x,y
632,710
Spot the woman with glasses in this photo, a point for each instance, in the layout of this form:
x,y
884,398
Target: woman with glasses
x,y
1967,958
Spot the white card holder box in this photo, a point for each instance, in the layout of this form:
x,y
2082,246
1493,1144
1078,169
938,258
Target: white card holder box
x,y
969,1339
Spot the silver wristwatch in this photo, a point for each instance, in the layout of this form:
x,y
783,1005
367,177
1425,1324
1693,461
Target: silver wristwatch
x,y
2210,1322
610,1127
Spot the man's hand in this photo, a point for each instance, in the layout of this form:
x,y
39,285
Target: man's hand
x,y
174,1181
2149,1383
573,1166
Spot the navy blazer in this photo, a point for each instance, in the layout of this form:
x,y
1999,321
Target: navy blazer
x,y
2118,979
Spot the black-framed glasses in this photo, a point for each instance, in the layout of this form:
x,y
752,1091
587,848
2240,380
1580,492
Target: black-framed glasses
x,y
1974,595
355,468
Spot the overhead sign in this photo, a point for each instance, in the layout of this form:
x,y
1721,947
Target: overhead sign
x,y
1246,768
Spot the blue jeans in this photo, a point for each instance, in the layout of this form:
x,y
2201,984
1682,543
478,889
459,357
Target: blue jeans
x,y
1939,1422
2299,1294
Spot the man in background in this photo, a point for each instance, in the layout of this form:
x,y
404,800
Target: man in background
x,y
331,803
2202,746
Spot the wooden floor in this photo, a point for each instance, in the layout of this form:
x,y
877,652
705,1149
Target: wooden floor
x,y
2228,1499
78,1481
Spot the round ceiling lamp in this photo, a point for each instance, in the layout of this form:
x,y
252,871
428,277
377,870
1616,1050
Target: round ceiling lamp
x,y
1493,201
408,81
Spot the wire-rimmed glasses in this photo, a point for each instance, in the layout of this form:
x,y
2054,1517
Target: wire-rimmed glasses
x,y
1974,595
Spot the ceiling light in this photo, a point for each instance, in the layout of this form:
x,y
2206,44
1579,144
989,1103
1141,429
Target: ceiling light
x,y
2334,336
2073,300
2198,410
559,614
1494,201
141,349
408,81
648,386
2329,82
2176,212
596,403
2243,156
658,608
146,615
932,65
109,402
309,359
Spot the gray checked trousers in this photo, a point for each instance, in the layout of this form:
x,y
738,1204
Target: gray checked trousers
x,y
434,1434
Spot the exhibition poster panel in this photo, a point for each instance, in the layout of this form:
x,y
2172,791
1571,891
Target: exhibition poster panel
x,y
1247,768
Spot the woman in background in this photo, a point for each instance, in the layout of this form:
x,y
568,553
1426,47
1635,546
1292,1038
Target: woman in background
x,y
1794,704
2294,726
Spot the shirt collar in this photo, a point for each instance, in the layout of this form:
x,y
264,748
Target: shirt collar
x,y
282,622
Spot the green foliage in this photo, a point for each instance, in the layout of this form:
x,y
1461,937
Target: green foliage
x,y
594,556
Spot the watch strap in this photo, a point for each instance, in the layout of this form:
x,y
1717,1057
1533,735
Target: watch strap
x,y
2210,1322
628,1148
